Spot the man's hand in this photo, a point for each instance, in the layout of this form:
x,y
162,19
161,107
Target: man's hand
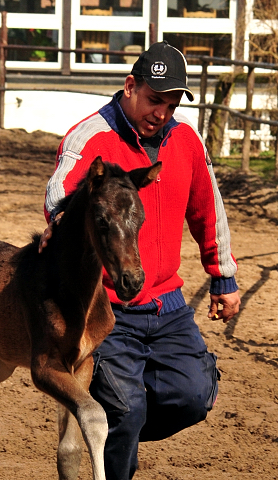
x,y
47,234
230,302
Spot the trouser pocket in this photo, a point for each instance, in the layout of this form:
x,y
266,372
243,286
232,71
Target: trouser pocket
x,y
107,390
214,374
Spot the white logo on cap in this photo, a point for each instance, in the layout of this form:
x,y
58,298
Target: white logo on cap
x,y
158,68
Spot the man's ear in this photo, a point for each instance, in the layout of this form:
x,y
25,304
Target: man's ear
x,y
129,85
141,177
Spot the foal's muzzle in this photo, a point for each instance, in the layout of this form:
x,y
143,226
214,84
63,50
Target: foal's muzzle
x,y
128,285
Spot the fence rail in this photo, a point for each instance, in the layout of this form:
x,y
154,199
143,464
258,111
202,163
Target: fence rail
x,y
236,113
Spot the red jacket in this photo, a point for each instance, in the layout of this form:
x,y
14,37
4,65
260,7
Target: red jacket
x,y
185,188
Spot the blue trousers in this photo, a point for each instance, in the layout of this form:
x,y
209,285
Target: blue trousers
x,y
154,377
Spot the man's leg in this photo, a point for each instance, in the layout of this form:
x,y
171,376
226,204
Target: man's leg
x,y
118,385
180,376
164,357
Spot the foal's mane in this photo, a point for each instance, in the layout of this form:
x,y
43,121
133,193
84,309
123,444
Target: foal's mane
x,y
31,249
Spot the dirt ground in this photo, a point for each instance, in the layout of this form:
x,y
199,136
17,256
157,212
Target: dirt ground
x,y
239,438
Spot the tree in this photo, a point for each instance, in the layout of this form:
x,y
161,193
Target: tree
x,y
218,117
263,47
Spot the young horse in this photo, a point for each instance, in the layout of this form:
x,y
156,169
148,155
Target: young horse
x,y
54,310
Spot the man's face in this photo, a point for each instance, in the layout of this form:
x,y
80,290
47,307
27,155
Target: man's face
x,y
148,111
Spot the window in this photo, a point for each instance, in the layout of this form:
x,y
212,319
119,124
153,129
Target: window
x,y
200,44
29,6
104,40
198,9
36,37
111,7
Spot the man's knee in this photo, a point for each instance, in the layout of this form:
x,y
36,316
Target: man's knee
x,y
166,420
200,397
186,404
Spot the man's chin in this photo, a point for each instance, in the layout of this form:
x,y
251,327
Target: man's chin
x,y
147,133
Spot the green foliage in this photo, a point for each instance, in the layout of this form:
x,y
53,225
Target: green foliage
x,y
38,54
267,154
259,79
236,149
40,38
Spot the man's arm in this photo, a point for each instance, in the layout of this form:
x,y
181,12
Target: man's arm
x,y
208,224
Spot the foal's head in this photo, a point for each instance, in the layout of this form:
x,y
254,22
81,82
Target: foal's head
x,y
116,215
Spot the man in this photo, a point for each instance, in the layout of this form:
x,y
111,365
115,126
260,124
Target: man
x,y
153,373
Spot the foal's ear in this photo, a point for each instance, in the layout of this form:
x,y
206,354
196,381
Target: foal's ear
x,y
141,177
96,173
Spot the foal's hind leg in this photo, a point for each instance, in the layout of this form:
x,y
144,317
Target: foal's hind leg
x,y
5,371
70,445
92,421
72,392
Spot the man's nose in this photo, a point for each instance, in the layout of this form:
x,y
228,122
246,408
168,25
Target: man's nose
x,y
160,113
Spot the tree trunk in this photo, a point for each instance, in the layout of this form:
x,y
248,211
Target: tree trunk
x,y
218,118
276,156
245,164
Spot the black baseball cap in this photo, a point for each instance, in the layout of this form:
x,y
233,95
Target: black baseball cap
x,y
163,68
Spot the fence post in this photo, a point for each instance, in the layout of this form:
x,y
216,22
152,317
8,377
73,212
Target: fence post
x,y
3,41
66,36
276,155
203,91
247,124
153,30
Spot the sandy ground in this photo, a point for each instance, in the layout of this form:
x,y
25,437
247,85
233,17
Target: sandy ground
x,y
239,438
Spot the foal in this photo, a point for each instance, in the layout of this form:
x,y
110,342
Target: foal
x,y
54,310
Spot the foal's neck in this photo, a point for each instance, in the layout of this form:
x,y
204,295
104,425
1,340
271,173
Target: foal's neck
x,y
76,255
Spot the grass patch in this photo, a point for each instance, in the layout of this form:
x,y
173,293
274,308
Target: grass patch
x,y
262,165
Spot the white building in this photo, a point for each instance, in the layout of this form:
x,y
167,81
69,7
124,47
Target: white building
x,y
203,27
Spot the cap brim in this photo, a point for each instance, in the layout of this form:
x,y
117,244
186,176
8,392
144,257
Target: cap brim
x,y
168,85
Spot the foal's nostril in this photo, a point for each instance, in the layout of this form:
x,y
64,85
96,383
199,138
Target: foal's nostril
x,y
126,281
131,281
